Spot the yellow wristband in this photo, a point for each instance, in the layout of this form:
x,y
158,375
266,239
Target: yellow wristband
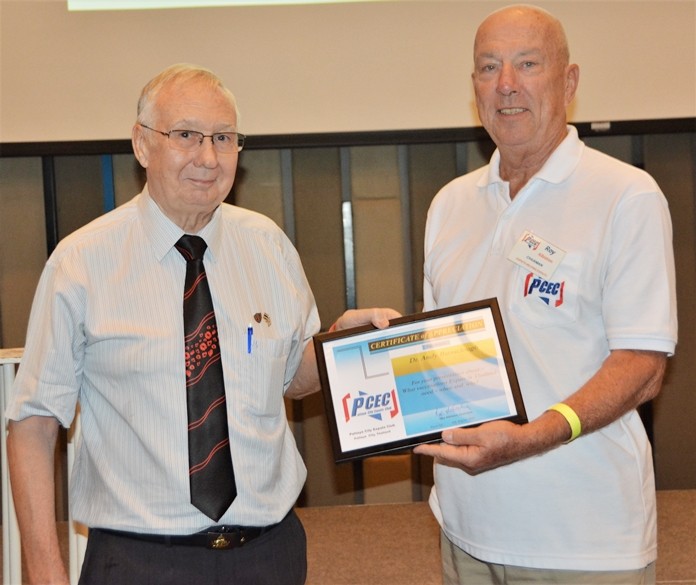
x,y
571,417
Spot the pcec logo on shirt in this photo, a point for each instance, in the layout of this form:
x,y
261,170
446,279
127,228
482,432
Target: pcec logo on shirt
x,y
547,291
380,406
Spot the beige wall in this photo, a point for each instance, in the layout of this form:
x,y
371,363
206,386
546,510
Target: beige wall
x,y
323,68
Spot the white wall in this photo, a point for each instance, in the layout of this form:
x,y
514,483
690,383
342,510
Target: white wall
x,y
324,68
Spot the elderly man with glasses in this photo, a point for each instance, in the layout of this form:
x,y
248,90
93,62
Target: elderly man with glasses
x,y
178,323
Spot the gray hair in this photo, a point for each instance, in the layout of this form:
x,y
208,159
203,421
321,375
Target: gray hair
x,y
179,73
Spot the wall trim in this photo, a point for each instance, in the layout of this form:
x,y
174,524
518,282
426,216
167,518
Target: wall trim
x,y
341,139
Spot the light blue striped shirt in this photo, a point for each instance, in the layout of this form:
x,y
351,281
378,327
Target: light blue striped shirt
x,y
106,331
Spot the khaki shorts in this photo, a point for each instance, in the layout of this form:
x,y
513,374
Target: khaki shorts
x,y
460,568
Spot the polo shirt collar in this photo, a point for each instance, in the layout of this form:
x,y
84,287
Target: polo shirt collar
x,y
559,166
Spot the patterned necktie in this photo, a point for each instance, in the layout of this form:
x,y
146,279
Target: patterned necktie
x,y
211,476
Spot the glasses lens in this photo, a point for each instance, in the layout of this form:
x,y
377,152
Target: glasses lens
x,y
225,142
190,140
185,139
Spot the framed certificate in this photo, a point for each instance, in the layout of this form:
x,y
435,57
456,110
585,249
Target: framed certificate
x,y
390,389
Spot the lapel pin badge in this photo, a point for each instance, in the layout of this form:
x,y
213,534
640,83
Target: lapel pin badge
x,y
258,317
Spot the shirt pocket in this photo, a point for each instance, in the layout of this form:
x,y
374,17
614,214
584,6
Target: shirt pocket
x,y
548,302
264,377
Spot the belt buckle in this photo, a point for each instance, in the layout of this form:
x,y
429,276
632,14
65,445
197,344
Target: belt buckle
x,y
221,542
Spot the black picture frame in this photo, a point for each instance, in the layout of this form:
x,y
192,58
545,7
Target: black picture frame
x,y
435,360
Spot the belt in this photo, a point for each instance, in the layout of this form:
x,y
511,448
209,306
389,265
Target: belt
x,y
215,537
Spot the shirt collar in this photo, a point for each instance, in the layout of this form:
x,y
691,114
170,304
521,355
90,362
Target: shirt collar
x,y
163,233
559,166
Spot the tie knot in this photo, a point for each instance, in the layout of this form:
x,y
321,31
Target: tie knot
x,y
191,247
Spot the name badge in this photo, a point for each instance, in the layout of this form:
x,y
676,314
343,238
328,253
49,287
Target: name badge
x,y
536,254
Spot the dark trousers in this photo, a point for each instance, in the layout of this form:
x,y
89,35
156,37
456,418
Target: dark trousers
x,y
278,557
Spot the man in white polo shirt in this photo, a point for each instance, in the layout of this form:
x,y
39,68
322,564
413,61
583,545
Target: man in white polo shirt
x,y
570,496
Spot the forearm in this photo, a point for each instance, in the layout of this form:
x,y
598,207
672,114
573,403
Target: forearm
x,y
626,380
31,449
306,380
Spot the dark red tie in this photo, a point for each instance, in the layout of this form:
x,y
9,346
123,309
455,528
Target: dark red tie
x,y
211,476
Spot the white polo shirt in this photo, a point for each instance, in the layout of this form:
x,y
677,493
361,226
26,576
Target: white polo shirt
x,y
589,505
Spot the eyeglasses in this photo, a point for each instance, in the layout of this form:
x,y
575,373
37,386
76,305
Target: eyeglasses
x,y
190,140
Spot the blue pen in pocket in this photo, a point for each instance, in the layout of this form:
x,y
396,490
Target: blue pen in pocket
x,y
250,334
